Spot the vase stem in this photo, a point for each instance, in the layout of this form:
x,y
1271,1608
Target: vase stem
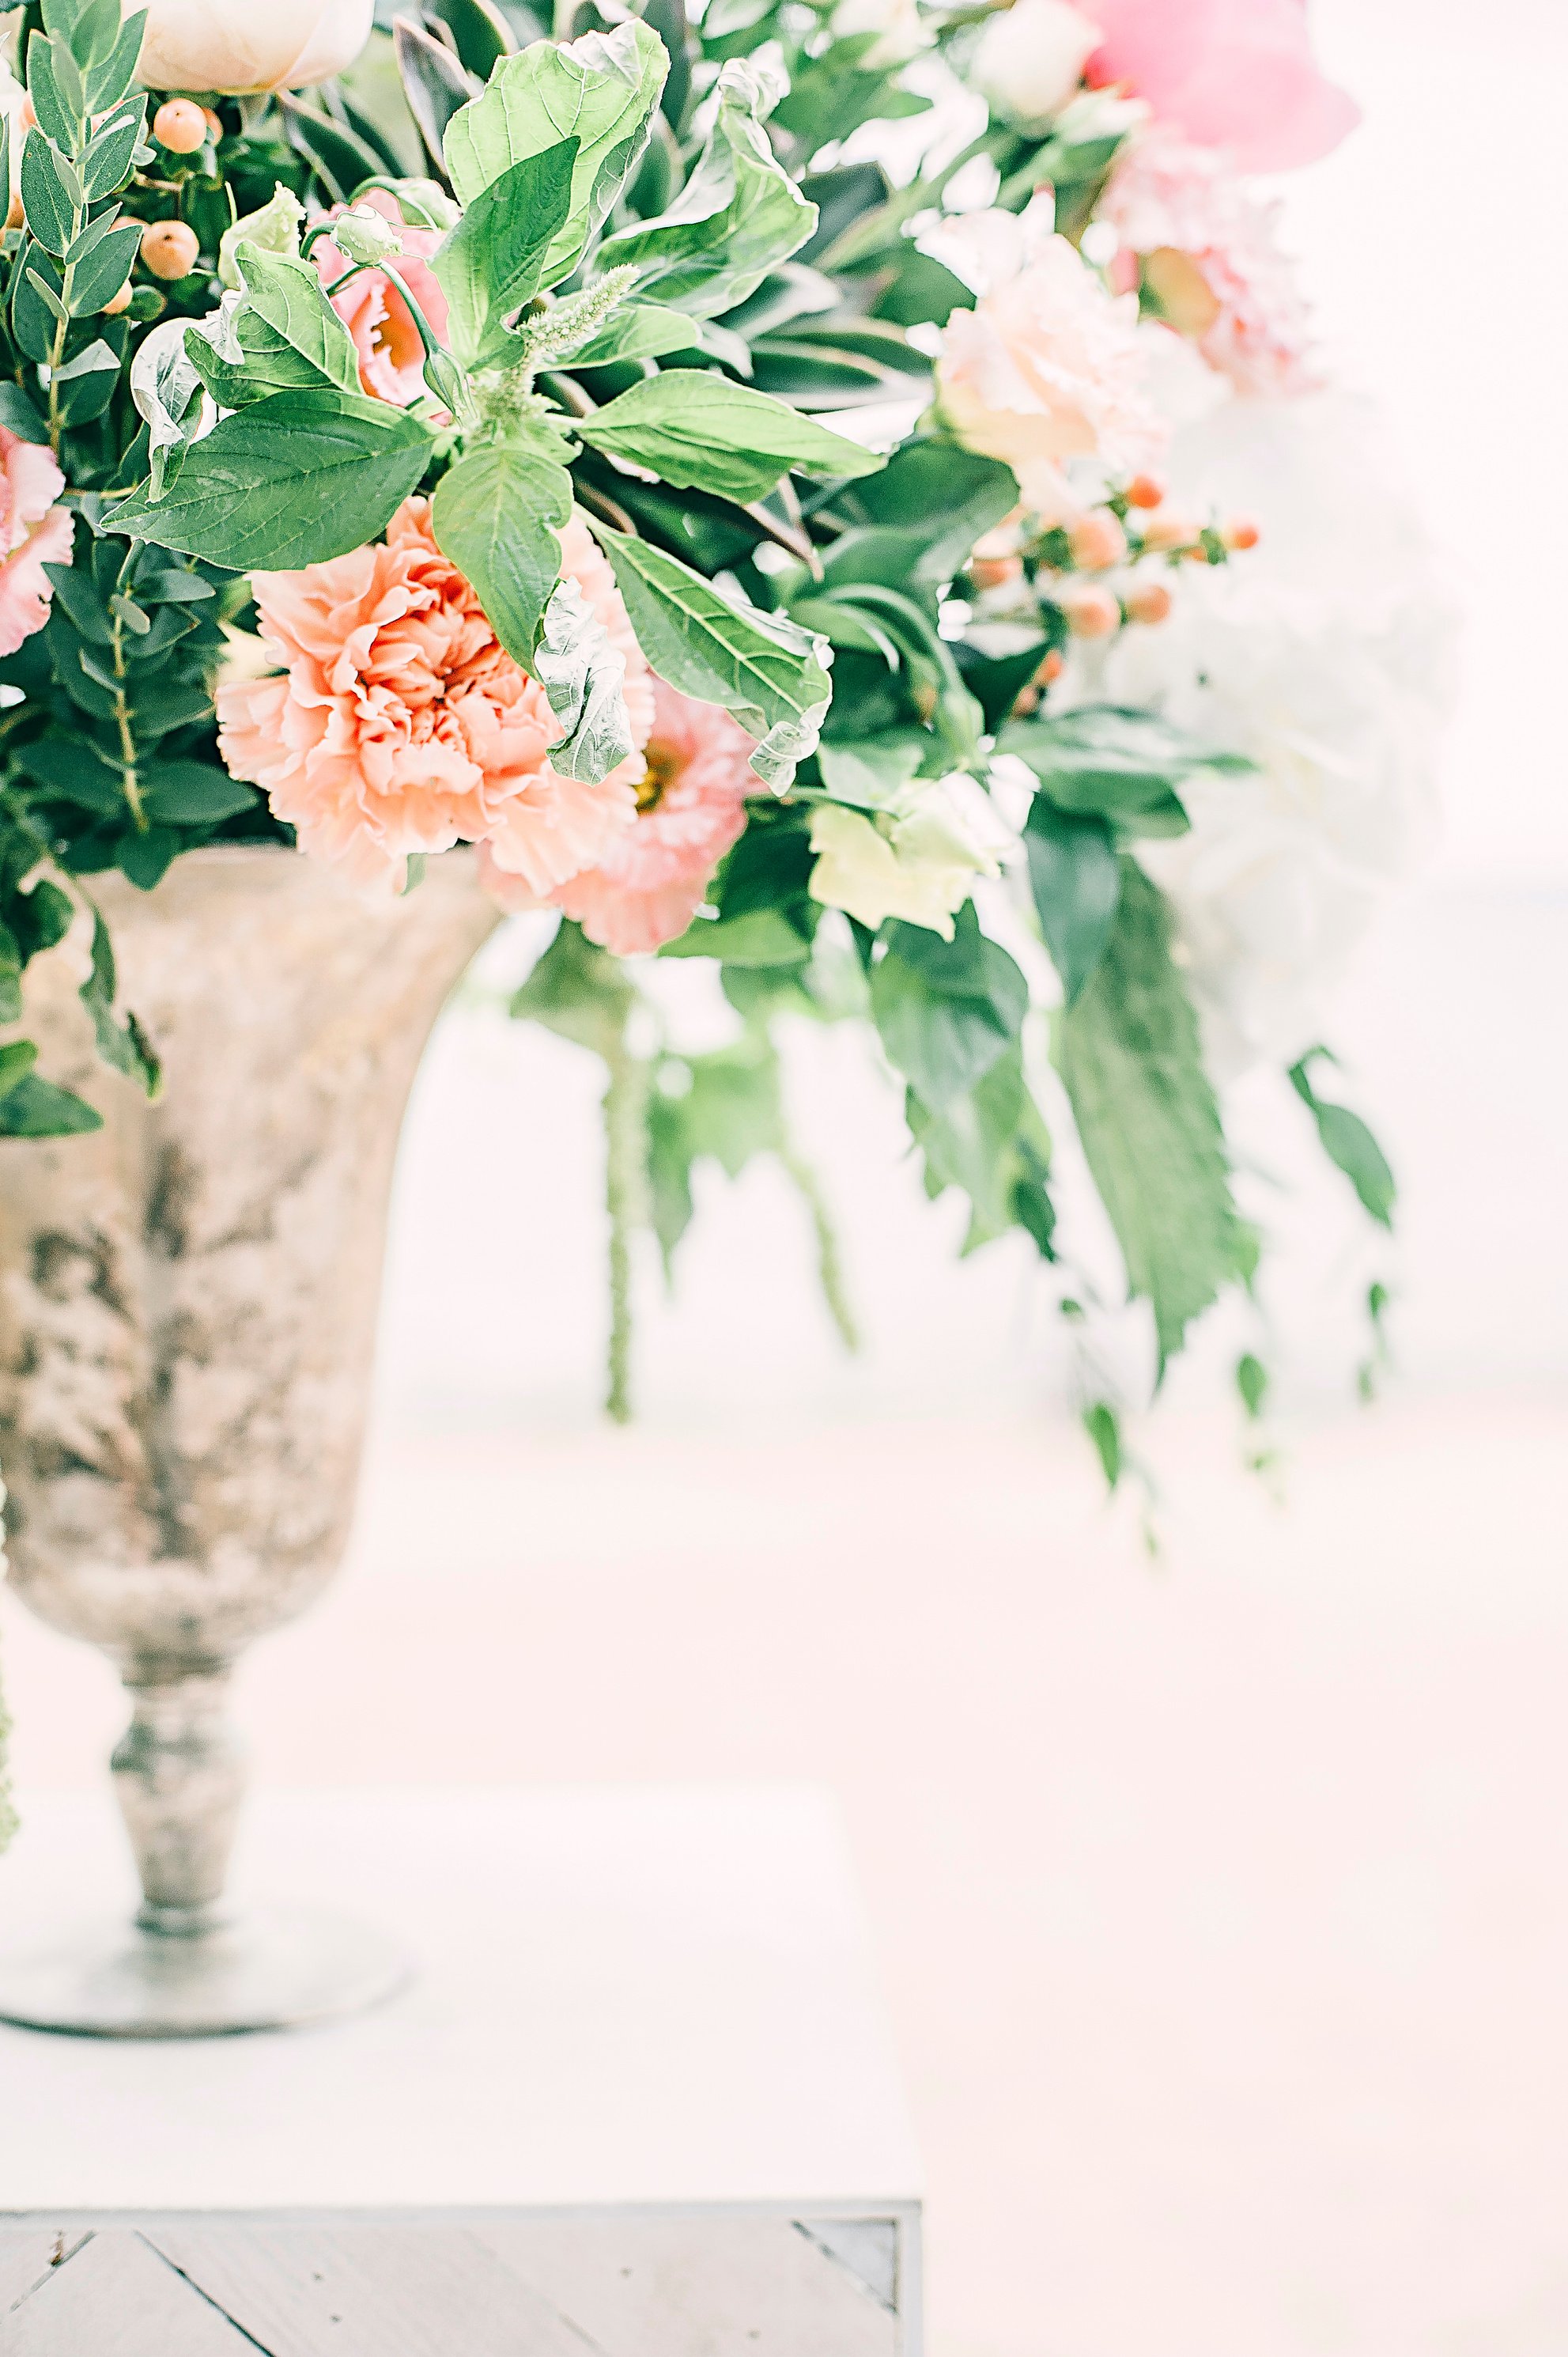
x,y
180,1773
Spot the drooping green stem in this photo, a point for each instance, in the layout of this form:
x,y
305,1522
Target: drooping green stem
x,y
830,1265
127,734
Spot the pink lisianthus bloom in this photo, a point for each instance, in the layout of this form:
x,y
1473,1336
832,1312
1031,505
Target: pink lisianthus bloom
x,y
1047,366
400,726
1238,74
33,533
691,806
1209,249
373,307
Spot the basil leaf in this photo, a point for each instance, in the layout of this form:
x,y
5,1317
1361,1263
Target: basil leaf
x,y
1076,886
697,430
759,666
496,514
490,264
290,481
946,1011
287,296
601,90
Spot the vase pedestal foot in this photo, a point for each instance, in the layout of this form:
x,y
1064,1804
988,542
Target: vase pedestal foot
x,y
270,1968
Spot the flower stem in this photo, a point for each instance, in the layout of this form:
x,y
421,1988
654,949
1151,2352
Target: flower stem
x,y
127,734
830,1266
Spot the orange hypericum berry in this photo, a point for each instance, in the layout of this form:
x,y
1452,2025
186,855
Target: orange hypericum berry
x,y
1097,541
1147,602
1145,491
118,302
990,572
1241,532
1092,611
169,248
1051,669
180,126
213,121
1167,529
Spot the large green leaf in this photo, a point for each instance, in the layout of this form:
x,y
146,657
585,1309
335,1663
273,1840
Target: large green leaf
x,y
759,666
946,1011
1127,1050
497,514
1076,886
1126,766
492,261
290,481
738,216
699,430
287,296
600,90
994,1144
1348,1143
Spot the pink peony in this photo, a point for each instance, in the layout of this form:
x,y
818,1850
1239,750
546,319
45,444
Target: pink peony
x,y
691,807
1238,74
372,307
400,726
1213,260
33,533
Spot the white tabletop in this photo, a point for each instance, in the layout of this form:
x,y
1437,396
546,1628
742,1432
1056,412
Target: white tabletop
x,y
639,1996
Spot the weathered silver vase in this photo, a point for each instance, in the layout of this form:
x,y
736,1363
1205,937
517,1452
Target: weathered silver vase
x,y
187,1308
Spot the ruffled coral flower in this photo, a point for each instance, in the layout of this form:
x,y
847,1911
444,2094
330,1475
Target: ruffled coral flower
x,y
691,806
33,533
400,726
373,308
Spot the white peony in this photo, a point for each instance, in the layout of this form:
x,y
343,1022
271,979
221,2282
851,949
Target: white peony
x,y
1327,655
235,47
1047,366
918,860
1029,60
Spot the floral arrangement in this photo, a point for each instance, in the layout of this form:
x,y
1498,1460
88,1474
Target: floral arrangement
x,y
739,474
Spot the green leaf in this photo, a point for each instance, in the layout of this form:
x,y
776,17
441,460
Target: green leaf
x,y
122,1045
730,1110
1252,1384
46,201
192,793
492,262
437,86
600,90
287,295
738,215
106,159
759,666
35,1108
70,767
18,1056
939,500
946,1011
1125,766
1348,1143
1128,1051
578,991
699,430
17,413
102,267
638,331
1076,886
757,937
993,1143
583,675
290,481
1103,1427
497,514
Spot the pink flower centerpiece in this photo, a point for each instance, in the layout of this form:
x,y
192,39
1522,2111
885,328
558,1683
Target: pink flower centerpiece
x,y
400,726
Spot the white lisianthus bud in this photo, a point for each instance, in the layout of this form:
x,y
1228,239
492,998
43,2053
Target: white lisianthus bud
x,y
901,31
1030,59
236,46
918,862
365,235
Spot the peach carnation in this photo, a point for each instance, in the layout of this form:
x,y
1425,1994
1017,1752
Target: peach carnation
x,y
1209,249
33,533
400,725
373,307
691,806
1231,73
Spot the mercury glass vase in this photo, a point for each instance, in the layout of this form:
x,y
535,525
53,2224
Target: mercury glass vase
x,y
188,1311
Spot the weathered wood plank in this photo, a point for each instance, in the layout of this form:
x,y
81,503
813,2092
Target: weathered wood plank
x,y
367,2291
696,2287
117,2298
